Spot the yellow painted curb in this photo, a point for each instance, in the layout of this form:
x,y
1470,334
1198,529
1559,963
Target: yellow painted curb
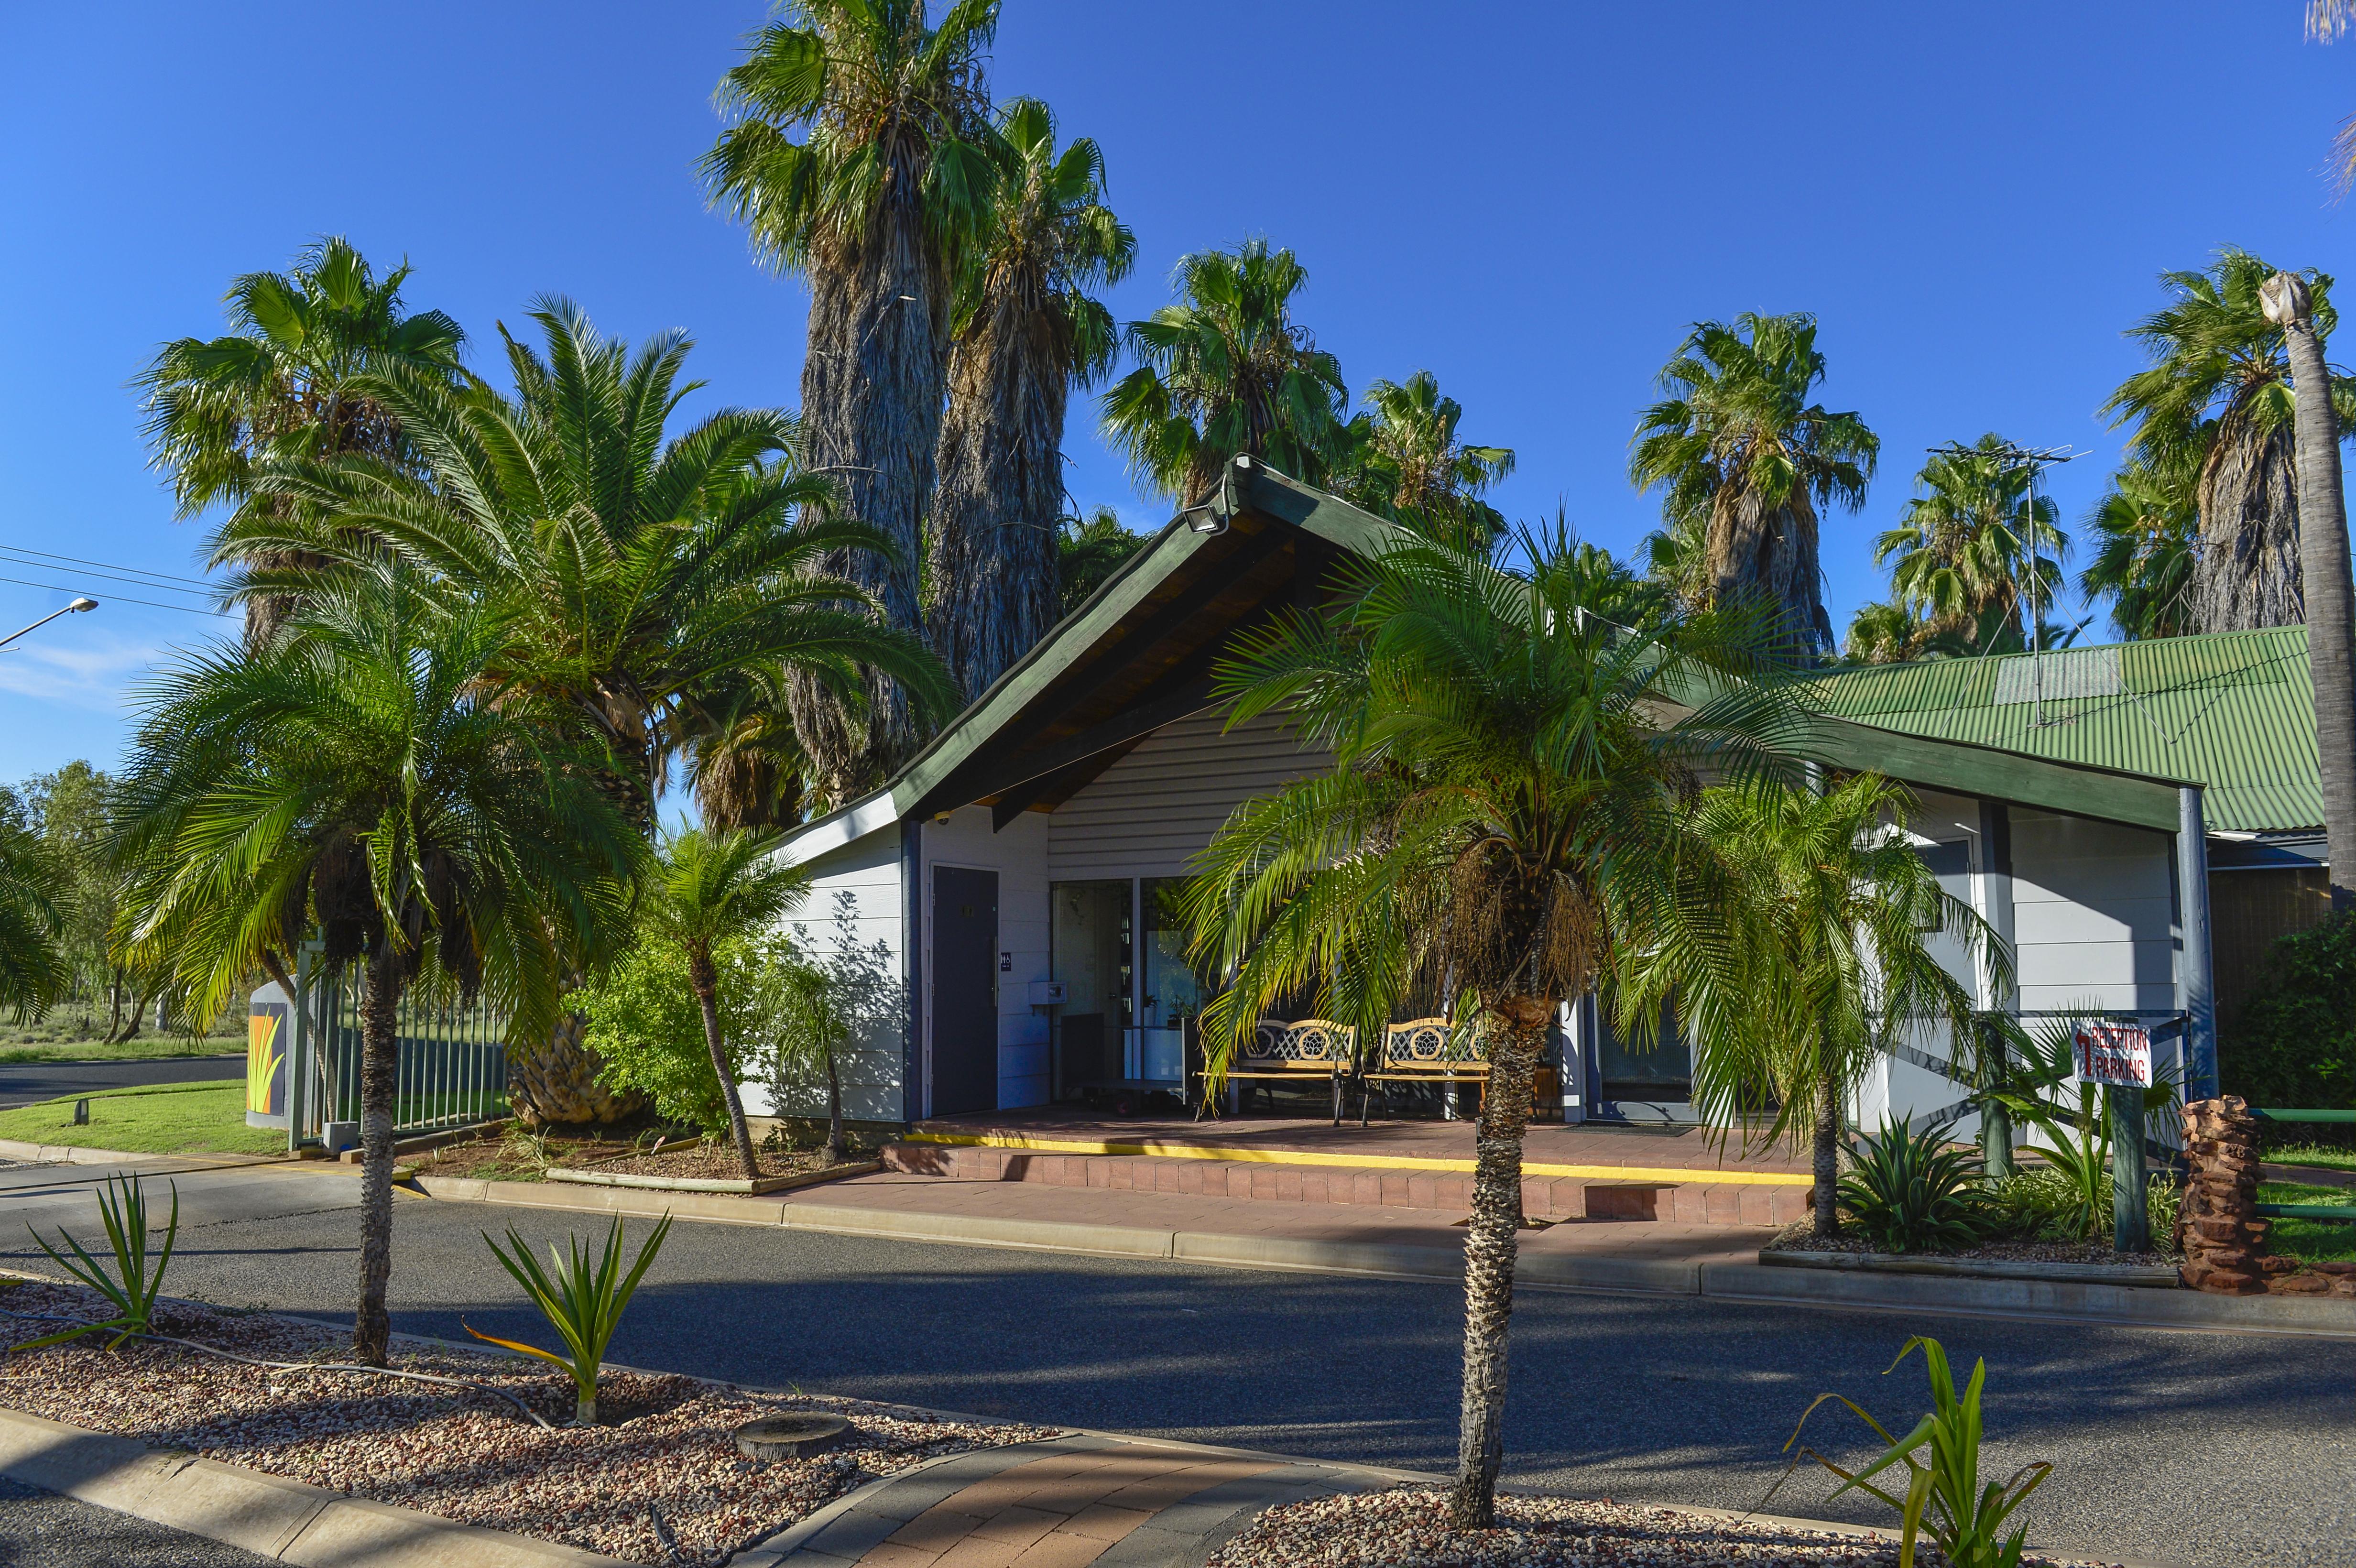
x,y
1358,1161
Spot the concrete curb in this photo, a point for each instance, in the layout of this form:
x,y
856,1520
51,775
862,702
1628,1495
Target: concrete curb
x,y
263,1514
70,1154
2146,1277
2071,1301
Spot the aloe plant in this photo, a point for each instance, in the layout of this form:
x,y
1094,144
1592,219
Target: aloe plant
x,y
1911,1192
1965,1520
133,1284
584,1298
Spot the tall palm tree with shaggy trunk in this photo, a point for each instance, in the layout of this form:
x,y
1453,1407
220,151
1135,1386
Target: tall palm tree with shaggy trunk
x,y
1031,333
875,207
1509,771
1227,370
1794,945
372,772
2144,529
1975,542
707,887
1408,463
2331,595
1747,465
282,383
2218,398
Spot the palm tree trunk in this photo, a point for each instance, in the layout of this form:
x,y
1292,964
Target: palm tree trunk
x,y
706,981
870,421
992,560
2247,574
379,1081
1490,1244
2331,603
1827,1142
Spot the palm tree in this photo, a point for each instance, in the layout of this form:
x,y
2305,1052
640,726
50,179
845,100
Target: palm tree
x,y
2218,398
1406,463
708,887
1227,370
745,765
1794,944
2327,20
1087,554
372,771
1031,333
1974,539
37,888
1747,463
2145,528
634,574
1509,765
1895,630
874,208
280,383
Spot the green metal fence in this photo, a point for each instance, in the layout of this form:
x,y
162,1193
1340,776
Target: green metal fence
x,y
2305,1211
451,1067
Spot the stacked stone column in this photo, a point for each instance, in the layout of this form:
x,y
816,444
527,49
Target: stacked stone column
x,y
2217,1229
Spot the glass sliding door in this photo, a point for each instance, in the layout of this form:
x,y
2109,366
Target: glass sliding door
x,y
1089,949
1170,991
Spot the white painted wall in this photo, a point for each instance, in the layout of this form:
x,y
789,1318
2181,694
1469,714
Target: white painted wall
x,y
1019,855
1150,812
869,869
2094,911
1891,1085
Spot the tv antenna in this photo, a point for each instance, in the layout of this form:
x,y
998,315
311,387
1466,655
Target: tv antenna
x,y
2035,460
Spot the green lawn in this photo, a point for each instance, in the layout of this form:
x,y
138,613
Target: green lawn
x,y
2315,1241
2313,1153
158,1118
71,1034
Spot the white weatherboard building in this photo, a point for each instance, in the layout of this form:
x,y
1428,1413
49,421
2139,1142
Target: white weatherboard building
x,y
1021,867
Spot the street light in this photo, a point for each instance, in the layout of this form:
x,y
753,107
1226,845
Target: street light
x,y
77,606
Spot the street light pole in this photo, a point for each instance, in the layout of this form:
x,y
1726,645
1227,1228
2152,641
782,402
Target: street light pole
x,y
78,606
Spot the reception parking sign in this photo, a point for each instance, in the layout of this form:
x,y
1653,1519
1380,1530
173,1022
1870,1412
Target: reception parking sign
x,y
2112,1054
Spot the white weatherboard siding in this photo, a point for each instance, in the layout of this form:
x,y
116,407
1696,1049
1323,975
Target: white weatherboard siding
x,y
1019,855
1891,1085
868,867
1150,812
2094,914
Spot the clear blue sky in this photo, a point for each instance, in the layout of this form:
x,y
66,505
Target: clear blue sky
x,y
1531,201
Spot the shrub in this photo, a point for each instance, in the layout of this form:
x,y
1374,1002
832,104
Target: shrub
x,y
2295,1043
2040,1203
644,1022
1911,1193
583,1297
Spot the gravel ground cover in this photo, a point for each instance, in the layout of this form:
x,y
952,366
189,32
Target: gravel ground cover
x,y
527,1157
1408,1527
663,1484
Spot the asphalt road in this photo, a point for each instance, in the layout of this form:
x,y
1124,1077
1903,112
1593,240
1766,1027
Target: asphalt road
x,y
41,1530
2192,1448
28,1083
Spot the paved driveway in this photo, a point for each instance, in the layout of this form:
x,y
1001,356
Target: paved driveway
x,y
2173,1448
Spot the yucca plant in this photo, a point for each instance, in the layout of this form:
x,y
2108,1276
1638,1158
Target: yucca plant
x,y
585,1301
1909,1191
1943,1496
133,1284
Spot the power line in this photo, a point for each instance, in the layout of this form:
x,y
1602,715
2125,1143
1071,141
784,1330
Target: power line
x,y
117,576
118,598
110,565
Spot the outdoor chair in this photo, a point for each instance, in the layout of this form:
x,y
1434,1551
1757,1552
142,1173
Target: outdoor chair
x,y
1433,1050
1310,1051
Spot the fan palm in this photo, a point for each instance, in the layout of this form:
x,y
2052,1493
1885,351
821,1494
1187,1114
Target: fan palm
x,y
1508,764
281,383
633,574
1409,464
1227,370
37,888
2217,398
875,207
1088,552
1795,947
1031,332
708,888
1747,465
2144,530
373,771
1975,539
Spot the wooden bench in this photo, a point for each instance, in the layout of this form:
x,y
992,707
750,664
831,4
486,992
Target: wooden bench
x,y
1303,1053
1420,1051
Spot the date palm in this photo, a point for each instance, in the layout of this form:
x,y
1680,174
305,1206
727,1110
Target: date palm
x,y
1975,539
1031,332
707,887
1227,370
373,772
280,383
37,901
1895,630
1746,464
1509,769
2144,530
2218,398
1408,463
874,205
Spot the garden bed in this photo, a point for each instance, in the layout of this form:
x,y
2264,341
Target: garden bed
x,y
519,1155
1800,1237
1409,1525
462,1454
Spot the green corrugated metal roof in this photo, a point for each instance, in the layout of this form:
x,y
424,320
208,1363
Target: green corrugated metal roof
x,y
2234,711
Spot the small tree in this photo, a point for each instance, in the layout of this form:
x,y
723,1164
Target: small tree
x,y
644,1022
824,1007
